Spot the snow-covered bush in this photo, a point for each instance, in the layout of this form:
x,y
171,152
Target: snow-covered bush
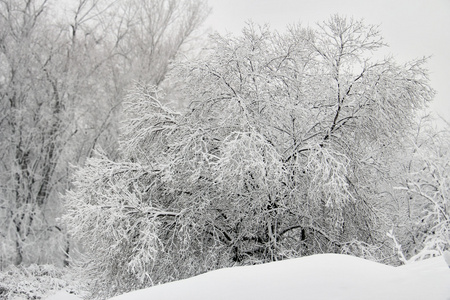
x,y
34,282
283,152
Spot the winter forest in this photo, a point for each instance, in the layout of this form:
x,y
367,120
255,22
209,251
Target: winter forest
x,y
137,149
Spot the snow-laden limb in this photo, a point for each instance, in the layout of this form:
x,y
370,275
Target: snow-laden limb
x,y
117,224
317,277
397,246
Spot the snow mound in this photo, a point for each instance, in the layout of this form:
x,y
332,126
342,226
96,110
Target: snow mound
x,y
324,276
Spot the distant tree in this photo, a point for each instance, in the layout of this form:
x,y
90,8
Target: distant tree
x,y
150,34
284,151
33,127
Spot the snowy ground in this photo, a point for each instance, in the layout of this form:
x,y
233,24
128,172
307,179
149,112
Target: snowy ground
x,y
63,295
326,276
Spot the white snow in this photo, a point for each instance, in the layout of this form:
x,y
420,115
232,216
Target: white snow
x,y
325,276
63,295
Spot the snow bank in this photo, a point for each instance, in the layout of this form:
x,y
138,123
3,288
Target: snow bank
x,y
325,276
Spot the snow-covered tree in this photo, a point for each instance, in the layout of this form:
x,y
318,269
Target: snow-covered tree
x,y
284,151
33,124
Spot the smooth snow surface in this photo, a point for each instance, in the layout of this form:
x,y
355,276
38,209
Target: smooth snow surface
x,y
325,276
63,295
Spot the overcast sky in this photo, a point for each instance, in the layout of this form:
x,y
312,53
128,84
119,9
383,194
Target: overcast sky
x,y
412,28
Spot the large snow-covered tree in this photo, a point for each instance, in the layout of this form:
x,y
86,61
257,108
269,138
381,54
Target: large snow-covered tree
x,y
285,150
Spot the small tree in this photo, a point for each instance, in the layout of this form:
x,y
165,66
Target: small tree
x,y
424,193
283,152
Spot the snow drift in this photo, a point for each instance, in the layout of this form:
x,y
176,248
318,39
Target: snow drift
x,y
325,276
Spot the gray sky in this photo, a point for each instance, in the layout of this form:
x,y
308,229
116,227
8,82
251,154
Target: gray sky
x,y
412,28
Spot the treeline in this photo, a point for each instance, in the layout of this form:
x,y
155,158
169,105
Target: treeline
x,y
65,68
